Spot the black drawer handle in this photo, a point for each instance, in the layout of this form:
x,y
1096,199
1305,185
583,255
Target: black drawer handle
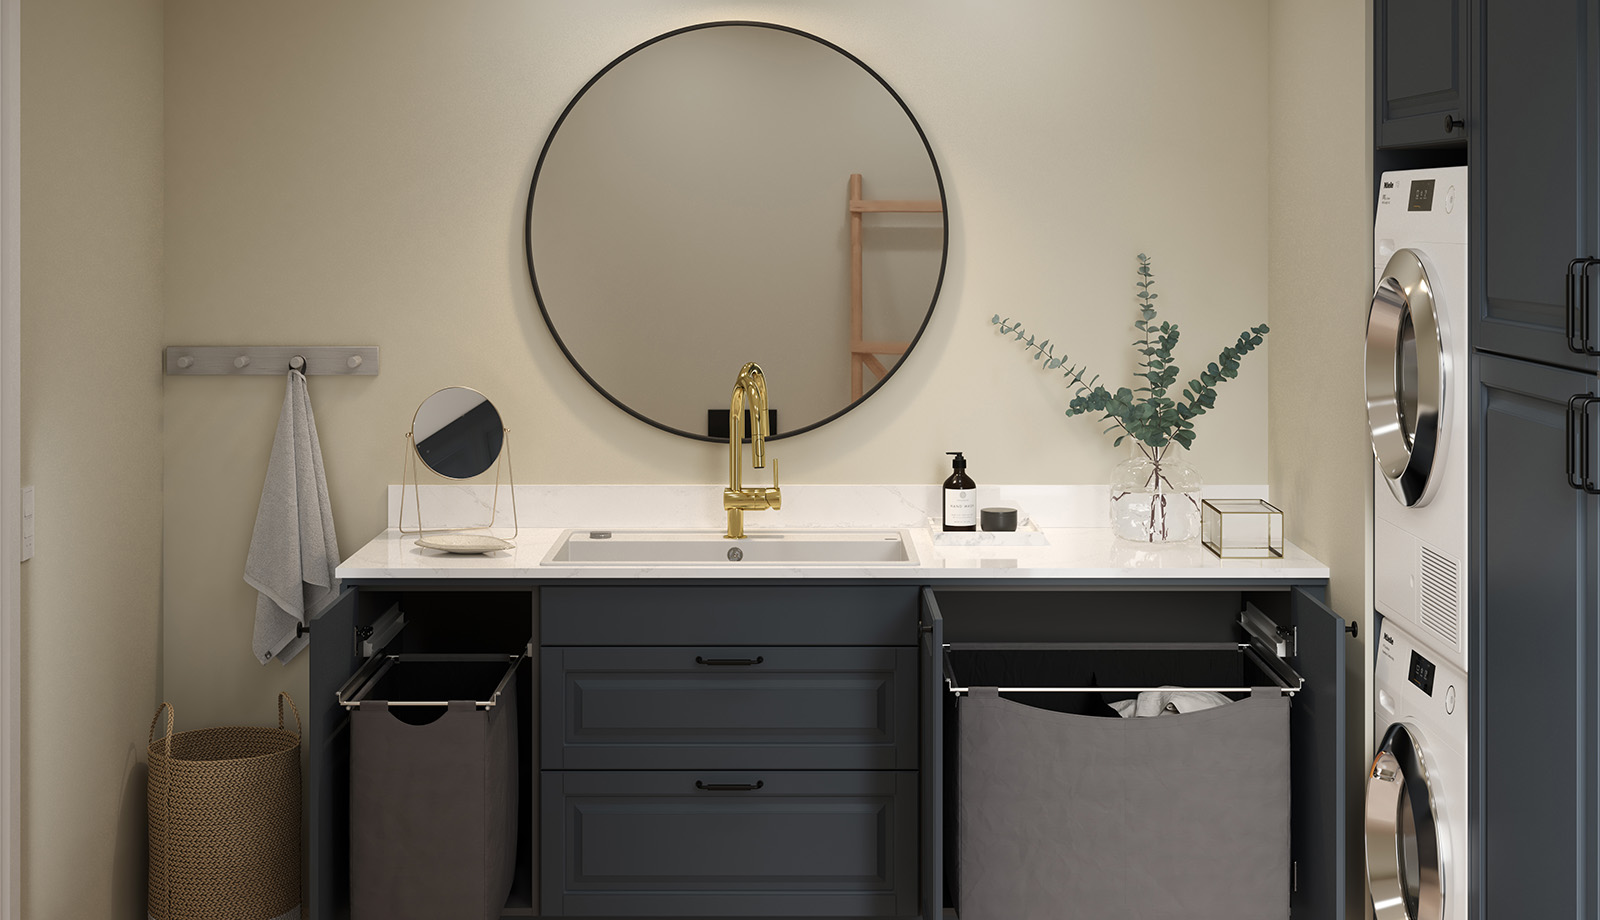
x,y
729,787
730,661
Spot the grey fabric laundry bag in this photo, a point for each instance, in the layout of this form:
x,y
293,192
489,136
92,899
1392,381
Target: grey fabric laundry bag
x,y
433,812
1176,817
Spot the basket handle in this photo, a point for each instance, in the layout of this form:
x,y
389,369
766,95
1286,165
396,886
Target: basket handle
x,y
298,728
171,713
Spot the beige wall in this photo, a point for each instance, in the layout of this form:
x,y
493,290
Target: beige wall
x,y
91,433
356,172
1320,257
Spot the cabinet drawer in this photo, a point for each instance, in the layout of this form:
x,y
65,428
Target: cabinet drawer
x,y
720,707
662,845
728,615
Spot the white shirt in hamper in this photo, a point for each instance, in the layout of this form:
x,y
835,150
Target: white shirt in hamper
x,y
1169,701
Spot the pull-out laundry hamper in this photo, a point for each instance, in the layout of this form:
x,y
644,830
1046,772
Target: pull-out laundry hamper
x,y
433,786
1174,817
224,811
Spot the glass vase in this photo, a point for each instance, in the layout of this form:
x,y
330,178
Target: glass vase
x,y
1155,497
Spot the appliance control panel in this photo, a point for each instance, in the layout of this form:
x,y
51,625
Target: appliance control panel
x,y
1420,206
1411,683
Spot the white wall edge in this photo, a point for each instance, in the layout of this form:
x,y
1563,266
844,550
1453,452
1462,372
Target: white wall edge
x,y
11,458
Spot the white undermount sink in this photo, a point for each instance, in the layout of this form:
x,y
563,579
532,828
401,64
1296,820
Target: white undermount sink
x,y
712,548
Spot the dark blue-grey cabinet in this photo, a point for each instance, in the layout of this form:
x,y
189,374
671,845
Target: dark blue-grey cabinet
x,y
729,751
763,748
1534,169
1420,72
1534,674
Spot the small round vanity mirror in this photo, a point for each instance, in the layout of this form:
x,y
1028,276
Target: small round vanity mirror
x,y
733,192
458,433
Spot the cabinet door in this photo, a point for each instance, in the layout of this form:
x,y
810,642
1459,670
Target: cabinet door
x,y
729,844
1535,167
931,770
1420,59
1317,814
1533,652
327,745
720,708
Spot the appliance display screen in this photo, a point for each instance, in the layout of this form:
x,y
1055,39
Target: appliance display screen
x,y
1421,673
1421,195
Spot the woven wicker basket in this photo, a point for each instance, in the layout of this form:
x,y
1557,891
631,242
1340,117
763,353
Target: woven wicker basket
x,y
225,821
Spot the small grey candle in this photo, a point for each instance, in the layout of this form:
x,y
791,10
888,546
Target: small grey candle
x,y
999,519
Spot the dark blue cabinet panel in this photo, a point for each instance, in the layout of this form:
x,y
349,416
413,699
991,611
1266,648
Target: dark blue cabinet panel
x,y
1535,168
713,707
1317,749
930,660
730,844
1534,644
728,615
1420,62
327,745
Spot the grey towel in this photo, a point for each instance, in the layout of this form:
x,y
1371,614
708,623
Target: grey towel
x,y
293,550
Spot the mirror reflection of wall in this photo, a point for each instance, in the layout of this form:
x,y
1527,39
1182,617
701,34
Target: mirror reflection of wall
x,y
689,214
458,433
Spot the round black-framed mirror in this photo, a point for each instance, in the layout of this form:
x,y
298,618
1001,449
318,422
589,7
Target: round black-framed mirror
x,y
691,210
457,432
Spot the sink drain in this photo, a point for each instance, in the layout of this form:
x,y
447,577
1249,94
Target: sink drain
x,y
735,554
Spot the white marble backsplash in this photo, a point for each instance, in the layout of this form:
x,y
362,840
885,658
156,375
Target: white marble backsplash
x,y
618,507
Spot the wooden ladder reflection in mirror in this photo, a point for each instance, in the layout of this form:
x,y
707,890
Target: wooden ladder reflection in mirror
x,y
864,354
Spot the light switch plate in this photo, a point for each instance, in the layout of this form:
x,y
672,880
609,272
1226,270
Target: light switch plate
x,y
27,523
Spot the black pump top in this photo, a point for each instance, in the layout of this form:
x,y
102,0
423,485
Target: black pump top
x,y
960,462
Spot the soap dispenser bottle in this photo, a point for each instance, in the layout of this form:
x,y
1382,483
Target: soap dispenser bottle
x,y
960,496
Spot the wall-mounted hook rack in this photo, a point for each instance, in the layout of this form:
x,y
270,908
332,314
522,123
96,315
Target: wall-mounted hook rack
x,y
349,360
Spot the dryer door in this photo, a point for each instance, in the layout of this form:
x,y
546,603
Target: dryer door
x,y
1406,839
1406,379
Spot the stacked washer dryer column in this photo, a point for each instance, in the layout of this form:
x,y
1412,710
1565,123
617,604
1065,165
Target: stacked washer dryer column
x,y
1417,402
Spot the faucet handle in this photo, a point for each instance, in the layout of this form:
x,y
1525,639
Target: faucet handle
x,y
774,472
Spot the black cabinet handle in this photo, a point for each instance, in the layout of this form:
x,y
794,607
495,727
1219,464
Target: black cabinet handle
x,y
1572,302
730,661
1579,476
1583,307
729,787
1572,435
1451,123
1578,341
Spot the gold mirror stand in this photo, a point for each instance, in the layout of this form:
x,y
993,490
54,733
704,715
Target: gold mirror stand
x,y
408,477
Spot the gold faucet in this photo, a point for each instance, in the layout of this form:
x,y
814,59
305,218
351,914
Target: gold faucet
x,y
751,388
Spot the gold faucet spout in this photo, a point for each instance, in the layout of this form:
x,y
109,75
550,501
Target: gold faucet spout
x,y
750,389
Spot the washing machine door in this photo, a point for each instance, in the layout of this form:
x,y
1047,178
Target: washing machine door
x,y
1405,379
1406,839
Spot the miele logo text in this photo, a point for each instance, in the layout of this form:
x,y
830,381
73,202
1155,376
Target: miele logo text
x,y
1388,185
1388,638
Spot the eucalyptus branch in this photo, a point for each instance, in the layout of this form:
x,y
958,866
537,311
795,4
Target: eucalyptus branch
x,y
1146,414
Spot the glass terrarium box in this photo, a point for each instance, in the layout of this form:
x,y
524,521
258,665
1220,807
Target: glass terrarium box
x,y
1241,528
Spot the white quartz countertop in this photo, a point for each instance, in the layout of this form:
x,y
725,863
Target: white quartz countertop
x,y
1072,553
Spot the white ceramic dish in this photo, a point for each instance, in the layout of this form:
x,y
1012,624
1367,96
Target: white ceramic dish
x,y
469,544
